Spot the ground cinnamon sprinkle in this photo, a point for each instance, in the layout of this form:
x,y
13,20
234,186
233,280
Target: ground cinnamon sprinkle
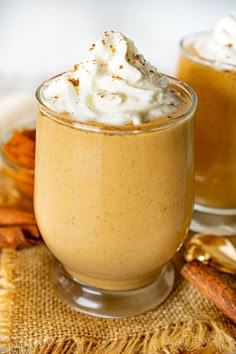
x,y
116,77
76,66
92,46
74,82
113,49
20,148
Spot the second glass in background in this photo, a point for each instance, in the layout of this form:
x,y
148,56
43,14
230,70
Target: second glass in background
x,y
215,139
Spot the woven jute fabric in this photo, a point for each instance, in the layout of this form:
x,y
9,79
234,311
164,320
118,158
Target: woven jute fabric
x,y
35,320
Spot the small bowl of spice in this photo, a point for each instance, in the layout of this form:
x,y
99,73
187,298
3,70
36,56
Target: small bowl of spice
x,y
18,156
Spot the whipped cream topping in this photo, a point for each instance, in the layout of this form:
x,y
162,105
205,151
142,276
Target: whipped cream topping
x,y
220,44
113,85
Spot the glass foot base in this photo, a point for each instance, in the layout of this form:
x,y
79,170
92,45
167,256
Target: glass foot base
x,y
221,222
112,304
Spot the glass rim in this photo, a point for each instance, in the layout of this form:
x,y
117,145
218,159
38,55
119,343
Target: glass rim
x,y
128,129
190,39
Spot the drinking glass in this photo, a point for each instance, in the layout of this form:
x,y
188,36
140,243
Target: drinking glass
x,y
113,205
215,142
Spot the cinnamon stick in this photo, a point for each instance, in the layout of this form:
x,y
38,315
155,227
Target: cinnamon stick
x,y
212,286
19,237
12,216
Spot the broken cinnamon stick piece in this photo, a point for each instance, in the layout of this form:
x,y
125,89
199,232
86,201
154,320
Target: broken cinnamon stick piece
x,y
212,286
11,216
19,237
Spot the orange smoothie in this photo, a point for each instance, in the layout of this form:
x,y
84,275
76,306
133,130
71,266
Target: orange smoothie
x,y
114,206
215,129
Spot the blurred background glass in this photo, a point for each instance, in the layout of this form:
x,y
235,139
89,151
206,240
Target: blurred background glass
x,y
41,38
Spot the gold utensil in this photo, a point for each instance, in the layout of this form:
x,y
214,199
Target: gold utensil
x,y
217,251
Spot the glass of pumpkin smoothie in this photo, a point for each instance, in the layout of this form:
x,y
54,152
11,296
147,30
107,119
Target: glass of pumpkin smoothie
x,y
114,178
208,63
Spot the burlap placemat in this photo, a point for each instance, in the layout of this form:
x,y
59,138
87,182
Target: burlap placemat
x,y
34,320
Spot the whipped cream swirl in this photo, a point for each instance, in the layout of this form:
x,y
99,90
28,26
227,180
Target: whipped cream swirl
x,y
220,45
113,85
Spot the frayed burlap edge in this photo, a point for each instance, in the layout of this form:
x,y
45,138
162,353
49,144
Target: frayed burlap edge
x,y
186,337
7,290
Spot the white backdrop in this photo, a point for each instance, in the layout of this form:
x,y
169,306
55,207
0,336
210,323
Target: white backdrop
x,y
40,38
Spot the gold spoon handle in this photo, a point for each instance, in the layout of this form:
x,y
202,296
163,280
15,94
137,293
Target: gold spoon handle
x,y
209,283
